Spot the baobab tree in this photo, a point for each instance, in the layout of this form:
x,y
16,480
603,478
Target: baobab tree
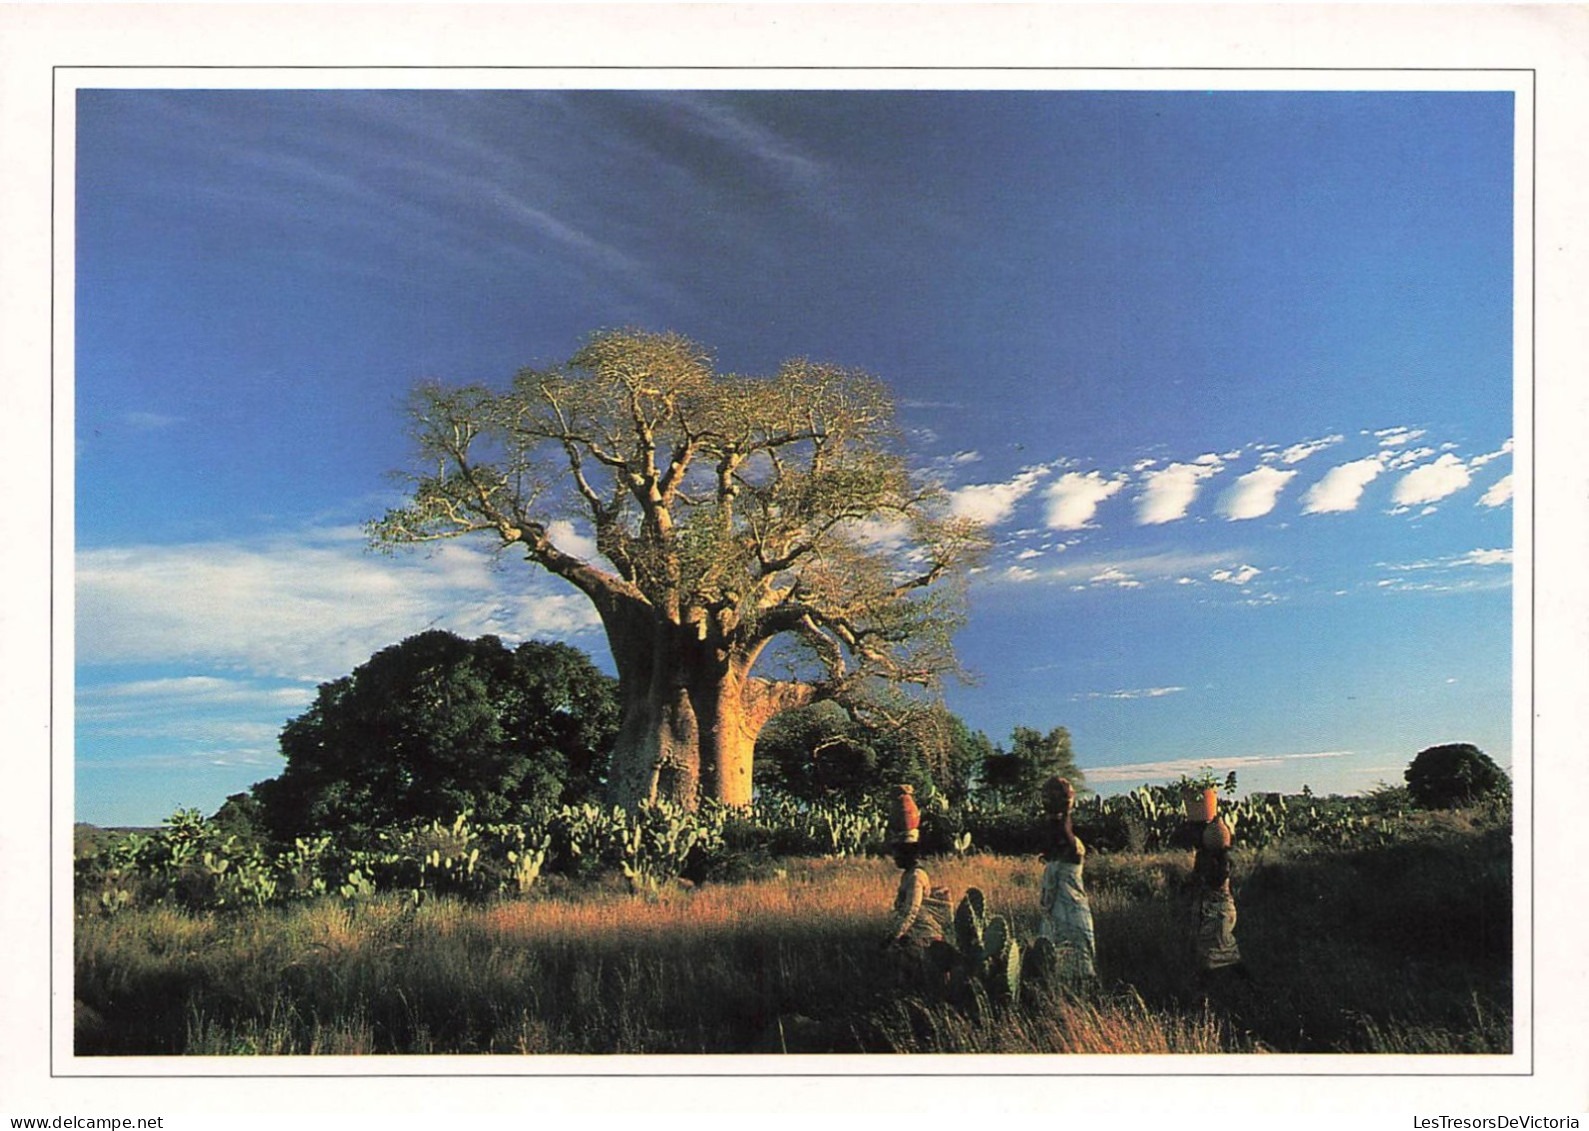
x,y
728,512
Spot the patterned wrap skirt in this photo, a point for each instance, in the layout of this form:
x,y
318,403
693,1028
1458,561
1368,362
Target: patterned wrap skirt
x,y
1067,918
1216,930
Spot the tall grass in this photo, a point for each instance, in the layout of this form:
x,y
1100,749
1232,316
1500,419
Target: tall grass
x,y
1404,949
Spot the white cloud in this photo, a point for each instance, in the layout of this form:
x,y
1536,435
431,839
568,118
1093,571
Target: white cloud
x,y
204,689
1440,575
991,503
1173,768
1133,693
1073,498
1296,453
1408,458
966,457
889,535
307,608
1253,494
1486,558
572,541
150,421
1169,492
1432,482
1396,437
1020,573
1479,461
1113,575
1238,576
1341,489
1175,568
1498,495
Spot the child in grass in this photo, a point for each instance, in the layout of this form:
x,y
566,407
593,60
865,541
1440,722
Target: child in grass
x,y
1067,915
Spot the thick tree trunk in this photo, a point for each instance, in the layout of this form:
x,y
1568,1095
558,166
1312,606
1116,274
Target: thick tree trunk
x,y
731,710
691,715
657,751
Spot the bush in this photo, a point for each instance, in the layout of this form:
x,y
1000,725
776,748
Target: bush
x,y
1456,774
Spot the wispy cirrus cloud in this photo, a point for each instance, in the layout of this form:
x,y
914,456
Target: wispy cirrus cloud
x,y
1479,461
183,722
1396,437
150,421
1130,693
1298,452
305,607
1497,557
1122,571
1171,769
1475,571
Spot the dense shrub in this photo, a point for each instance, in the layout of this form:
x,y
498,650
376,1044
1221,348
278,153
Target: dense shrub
x,y
1459,773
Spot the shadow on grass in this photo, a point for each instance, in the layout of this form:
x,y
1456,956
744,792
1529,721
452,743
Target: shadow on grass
x,y
1401,949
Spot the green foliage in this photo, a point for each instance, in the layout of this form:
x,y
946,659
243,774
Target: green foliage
x,y
1445,777
661,839
820,752
437,725
736,510
1014,778
195,864
984,956
790,826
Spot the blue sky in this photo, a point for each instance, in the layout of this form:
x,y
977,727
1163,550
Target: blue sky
x,y
1228,376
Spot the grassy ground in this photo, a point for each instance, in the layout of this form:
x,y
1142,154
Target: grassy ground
x,y
1400,949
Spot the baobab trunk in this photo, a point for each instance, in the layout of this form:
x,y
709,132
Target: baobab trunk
x,y
731,711
657,750
691,712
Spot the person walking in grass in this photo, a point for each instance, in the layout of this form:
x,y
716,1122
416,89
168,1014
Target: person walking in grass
x,y
1067,916
1213,906
912,924
919,910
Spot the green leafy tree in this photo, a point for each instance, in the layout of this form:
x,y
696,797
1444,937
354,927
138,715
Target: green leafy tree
x,y
728,512
1459,773
437,725
821,751
1015,776
240,815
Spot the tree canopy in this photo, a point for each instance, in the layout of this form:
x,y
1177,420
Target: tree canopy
x,y
1458,773
1016,775
820,751
437,725
705,515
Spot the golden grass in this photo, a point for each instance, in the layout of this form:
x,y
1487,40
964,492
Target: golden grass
x,y
772,963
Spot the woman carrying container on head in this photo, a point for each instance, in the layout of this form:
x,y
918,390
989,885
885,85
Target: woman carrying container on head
x,y
1213,906
919,911
1067,916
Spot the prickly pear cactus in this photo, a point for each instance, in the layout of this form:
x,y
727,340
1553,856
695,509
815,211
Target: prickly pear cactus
x,y
996,938
1004,978
969,923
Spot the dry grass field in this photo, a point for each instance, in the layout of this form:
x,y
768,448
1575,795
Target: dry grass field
x,y
1405,948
